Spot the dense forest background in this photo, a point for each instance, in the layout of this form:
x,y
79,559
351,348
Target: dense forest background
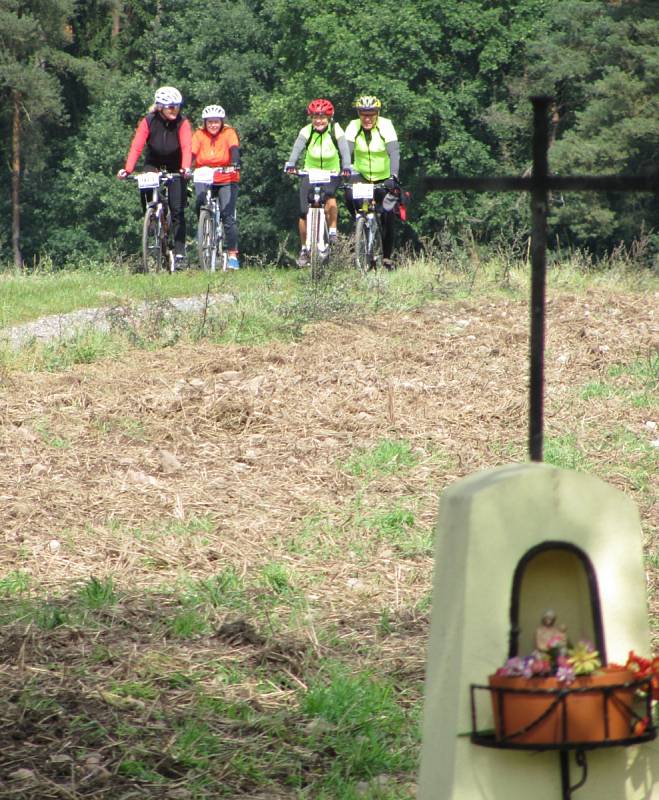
x,y
454,76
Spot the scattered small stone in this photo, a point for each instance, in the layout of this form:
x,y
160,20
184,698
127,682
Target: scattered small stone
x,y
240,632
317,727
254,385
168,462
179,793
54,546
136,476
60,758
22,774
27,433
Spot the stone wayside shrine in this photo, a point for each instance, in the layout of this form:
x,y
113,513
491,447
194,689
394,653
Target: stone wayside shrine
x,y
525,543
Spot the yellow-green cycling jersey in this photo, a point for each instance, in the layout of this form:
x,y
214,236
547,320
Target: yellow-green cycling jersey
x,y
372,149
322,151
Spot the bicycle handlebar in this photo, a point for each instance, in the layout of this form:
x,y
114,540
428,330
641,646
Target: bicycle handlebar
x,y
163,177
304,172
207,174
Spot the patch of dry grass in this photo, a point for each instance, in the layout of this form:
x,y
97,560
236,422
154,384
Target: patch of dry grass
x,y
164,470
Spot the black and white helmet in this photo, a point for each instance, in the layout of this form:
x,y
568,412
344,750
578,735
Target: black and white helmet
x,y
213,112
168,96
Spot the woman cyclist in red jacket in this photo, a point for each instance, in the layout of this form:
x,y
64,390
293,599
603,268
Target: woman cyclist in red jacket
x,y
167,136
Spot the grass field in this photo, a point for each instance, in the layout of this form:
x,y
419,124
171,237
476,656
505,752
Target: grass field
x,y
218,528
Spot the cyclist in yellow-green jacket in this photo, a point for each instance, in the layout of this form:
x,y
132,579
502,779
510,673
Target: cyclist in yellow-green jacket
x,y
324,146
375,155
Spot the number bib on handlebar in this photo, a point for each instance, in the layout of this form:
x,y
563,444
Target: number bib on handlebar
x,y
362,191
148,180
319,176
204,175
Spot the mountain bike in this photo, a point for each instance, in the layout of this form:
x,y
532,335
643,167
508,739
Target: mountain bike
x,y
318,244
156,251
368,230
210,230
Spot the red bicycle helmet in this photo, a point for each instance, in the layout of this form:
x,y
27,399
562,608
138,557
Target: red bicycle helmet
x,y
321,106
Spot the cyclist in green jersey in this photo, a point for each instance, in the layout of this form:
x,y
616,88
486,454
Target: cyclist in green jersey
x,y
375,155
324,146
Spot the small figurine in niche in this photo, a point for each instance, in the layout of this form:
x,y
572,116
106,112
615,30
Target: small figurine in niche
x,y
549,631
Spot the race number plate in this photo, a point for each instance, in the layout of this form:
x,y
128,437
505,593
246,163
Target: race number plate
x,y
319,176
204,175
362,191
148,180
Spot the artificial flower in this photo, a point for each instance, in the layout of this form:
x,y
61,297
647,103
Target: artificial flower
x,y
584,659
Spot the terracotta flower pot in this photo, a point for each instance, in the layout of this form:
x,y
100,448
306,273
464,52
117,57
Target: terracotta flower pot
x,y
545,711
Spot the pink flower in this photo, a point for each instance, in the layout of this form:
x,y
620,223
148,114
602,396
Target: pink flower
x,y
540,666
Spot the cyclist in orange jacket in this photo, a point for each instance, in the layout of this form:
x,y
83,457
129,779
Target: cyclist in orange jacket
x,y
216,144
167,136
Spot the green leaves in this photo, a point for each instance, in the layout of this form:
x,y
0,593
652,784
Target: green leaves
x,y
454,77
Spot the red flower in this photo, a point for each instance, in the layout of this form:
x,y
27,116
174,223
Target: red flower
x,y
641,666
645,668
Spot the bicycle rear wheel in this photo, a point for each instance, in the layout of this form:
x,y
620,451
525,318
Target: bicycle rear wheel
x,y
152,248
205,244
362,261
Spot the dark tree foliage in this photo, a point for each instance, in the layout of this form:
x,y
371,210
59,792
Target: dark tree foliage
x,y
600,62
454,77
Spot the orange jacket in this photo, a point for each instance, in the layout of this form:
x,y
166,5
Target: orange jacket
x,y
220,150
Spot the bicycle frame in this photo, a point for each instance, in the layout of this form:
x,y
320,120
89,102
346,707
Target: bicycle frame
x,y
157,220
317,241
368,231
210,235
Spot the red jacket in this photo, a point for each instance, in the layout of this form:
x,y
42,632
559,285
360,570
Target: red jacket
x,y
168,145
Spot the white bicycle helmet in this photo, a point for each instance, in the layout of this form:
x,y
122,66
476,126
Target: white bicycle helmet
x,y
168,96
213,112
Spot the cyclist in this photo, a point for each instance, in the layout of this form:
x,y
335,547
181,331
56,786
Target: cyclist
x,y
216,144
375,154
167,135
323,142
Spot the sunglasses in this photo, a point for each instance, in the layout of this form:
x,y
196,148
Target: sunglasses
x,y
173,107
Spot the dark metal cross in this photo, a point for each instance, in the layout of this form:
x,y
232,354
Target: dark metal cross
x,y
539,184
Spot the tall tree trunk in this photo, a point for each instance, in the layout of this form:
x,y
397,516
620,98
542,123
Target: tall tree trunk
x,y
116,18
16,181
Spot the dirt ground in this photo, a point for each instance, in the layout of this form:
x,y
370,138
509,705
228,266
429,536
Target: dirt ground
x,y
256,439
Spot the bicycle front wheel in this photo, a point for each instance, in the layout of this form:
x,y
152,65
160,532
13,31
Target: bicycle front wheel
x,y
375,243
220,256
362,261
318,242
152,250
205,243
